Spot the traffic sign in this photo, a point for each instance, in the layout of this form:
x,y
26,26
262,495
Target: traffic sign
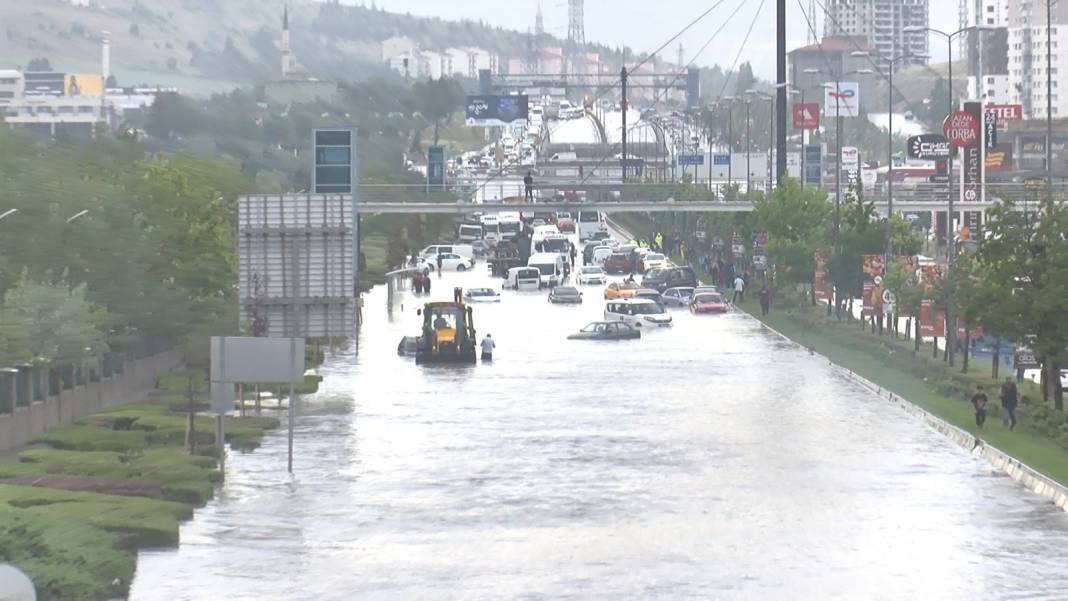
x,y
961,128
721,159
928,147
691,159
990,125
806,115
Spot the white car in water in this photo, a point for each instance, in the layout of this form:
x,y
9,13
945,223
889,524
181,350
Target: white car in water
x,y
592,275
449,262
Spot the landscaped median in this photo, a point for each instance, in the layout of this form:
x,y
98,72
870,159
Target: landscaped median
x,y
1041,438
77,505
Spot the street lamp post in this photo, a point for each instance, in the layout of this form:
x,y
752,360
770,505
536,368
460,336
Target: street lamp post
x,y
748,172
730,140
890,142
951,329
771,130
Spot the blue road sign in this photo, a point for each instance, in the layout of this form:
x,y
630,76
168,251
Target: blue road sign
x,y
691,159
721,159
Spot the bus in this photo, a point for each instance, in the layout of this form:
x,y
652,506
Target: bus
x,y
589,223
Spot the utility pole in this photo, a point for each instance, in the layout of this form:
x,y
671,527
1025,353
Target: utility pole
x,y
623,107
780,96
1049,99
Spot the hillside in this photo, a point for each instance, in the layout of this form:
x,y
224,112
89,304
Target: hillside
x,y
212,45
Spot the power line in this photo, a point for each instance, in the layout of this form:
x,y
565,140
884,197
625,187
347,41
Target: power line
x,y
618,82
683,70
741,48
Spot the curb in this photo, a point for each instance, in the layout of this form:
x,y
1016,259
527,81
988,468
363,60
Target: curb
x,y
1019,471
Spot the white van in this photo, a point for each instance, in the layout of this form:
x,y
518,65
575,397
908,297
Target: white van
x,y
589,223
523,278
637,312
551,266
469,232
431,252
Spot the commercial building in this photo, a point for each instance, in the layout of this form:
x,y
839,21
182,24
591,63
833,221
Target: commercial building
x,y
49,103
882,24
814,65
1028,53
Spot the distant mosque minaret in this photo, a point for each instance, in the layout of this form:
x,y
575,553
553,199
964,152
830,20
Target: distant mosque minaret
x,y
287,53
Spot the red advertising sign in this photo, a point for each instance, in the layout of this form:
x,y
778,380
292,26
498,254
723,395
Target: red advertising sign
x,y
806,115
932,324
1006,113
821,283
961,128
873,267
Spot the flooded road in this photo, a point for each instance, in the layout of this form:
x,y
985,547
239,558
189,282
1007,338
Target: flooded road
x,y
712,460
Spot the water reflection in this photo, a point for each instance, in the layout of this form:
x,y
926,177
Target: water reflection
x,y
706,461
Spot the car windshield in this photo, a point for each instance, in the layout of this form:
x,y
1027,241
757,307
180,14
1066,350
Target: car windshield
x,y
566,291
508,227
646,309
655,273
654,257
592,271
554,244
481,292
708,298
594,327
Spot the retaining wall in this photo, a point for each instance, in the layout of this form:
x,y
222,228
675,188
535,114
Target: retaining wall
x,y
133,384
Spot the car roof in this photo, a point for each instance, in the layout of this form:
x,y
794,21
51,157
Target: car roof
x,y
634,301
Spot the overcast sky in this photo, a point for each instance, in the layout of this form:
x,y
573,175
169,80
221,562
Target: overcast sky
x,y
634,23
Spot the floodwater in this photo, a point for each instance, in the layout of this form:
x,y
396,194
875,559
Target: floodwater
x,y
711,460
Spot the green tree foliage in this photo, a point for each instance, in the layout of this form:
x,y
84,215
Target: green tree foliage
x,y
39,64
56,323
154,250
1019,280
437,100
744,79
796,220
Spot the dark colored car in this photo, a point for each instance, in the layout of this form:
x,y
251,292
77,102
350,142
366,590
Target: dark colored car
x,y
673,277
565,295
617,263
407,346
607,330
599,236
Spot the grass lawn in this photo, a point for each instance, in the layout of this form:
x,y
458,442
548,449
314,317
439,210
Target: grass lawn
x,y
77,504
929,383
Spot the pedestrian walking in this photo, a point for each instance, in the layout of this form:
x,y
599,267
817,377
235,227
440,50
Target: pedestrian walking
x,y
417,282
487,348
979,401
528,184
457,294
739,289
572,253
441,259
426,280
1009,400
765,300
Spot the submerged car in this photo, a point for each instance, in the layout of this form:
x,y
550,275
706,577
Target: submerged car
x,y
408,346
620,290
482,295
677,297
591,275
648,293
606,330
708,302
617,262
565,295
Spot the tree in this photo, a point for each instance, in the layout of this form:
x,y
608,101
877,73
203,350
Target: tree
x,y
796,220
437,100
39,64
60,324
1022,264
744,79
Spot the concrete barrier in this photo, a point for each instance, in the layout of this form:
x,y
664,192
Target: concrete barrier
x,y
138,378
1019,471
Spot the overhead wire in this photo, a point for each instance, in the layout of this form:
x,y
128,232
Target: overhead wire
x,y
679,74
741,49
619,81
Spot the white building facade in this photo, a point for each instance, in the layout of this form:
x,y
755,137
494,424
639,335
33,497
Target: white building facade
x,y
1028,52
882,23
